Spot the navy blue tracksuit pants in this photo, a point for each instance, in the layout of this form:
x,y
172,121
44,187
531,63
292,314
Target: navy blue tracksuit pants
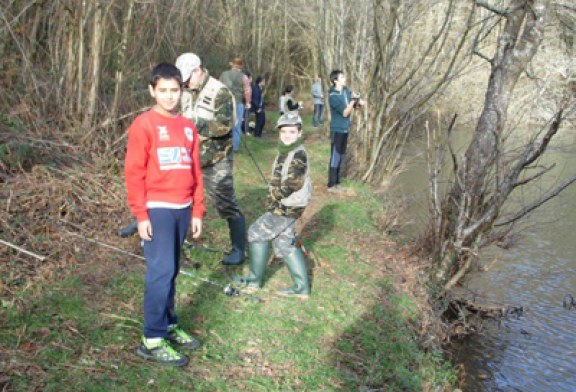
x,y
169,228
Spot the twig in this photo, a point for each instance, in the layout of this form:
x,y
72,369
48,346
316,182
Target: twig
x,y
105,245
109,121
36,256
114,316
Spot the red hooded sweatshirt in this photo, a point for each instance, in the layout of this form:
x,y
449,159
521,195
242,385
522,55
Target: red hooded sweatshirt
x,y
162,166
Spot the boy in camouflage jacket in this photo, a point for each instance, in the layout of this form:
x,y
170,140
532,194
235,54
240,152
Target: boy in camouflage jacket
x,y
289,193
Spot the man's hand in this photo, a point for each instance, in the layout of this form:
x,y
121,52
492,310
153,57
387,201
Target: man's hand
x,y
145,230
196,227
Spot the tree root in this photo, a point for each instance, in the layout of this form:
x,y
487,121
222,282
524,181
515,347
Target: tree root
x,y
465,317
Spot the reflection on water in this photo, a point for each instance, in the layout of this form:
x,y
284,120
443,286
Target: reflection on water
x,y
536,351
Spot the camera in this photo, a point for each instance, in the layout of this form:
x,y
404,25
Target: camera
x,y
356,99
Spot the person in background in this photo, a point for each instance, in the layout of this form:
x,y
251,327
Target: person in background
x,y
238,84
318,97
287,102
166,195
258,105
342,103
247,104
209,103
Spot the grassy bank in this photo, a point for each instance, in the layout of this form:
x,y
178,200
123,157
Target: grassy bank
x,y
73,322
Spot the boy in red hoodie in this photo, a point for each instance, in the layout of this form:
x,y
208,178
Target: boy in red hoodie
x,y
166,194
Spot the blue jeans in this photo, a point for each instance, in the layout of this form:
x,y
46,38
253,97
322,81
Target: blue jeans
x,y
318,118
338,145
237,130
162,254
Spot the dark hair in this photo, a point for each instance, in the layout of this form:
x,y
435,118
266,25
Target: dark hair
x,y
165,71
259,79
334,75
248,74
288,89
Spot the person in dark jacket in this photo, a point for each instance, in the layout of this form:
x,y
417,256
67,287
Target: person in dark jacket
x,y
342,102
258,105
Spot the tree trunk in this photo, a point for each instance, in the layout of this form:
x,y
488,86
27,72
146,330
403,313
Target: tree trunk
x,y
121,60
468,211
95,55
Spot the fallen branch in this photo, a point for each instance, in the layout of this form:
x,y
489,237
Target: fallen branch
x,y
488,310
36,256
105,245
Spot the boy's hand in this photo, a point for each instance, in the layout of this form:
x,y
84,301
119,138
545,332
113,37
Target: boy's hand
x,y
196,227
145,230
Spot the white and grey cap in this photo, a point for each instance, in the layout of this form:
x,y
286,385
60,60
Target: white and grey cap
x,y
186,63
289,118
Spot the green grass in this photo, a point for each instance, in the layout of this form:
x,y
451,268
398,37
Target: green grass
x,y
79,332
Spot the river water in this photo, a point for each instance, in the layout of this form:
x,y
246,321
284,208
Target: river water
x,y
536,351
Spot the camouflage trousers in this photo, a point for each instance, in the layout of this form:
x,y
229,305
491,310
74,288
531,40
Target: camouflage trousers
x,y
219,185
281,230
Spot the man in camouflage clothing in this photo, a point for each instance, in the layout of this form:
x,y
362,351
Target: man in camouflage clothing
x,y
210,105
289,192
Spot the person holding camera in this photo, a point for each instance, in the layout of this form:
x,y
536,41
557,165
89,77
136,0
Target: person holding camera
x,y
342,102
287,102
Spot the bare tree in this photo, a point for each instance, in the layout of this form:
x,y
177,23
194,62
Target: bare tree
x,y
466,217
400,55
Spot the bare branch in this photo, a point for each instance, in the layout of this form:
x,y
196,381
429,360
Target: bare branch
x,y
554,127
19,249
533,177
482,56
526,210
492,8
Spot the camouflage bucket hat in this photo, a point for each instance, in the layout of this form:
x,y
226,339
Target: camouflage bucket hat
x,y
186,63
289,118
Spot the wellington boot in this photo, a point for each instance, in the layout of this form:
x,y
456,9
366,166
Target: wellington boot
x,y
237,226
297,267
258,260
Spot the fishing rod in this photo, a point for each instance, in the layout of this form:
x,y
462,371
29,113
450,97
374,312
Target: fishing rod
x,y
228,289
254,161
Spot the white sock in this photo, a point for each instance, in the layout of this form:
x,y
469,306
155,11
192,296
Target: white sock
x,y
152,341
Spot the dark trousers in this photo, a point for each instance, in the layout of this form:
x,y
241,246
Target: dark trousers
x,y
219,186
260,121
318,118
338,144
169,228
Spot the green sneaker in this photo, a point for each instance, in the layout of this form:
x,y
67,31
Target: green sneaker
x,y
179,337
161,352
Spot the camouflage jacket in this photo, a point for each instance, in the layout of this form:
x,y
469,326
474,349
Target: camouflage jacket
x,y
216,134
278,190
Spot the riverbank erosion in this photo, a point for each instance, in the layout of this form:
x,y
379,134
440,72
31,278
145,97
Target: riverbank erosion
x,y
71,306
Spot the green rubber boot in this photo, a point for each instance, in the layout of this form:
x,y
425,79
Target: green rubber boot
x,y
297,267
258,252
